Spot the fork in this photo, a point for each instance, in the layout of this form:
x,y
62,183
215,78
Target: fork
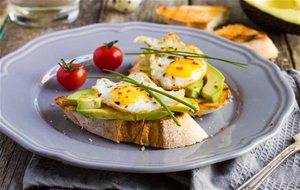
x,y
257,179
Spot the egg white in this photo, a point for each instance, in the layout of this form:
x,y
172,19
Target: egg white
x,y
138,101
159,63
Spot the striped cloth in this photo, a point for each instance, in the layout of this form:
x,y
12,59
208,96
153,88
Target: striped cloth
x,y
44,172
233,173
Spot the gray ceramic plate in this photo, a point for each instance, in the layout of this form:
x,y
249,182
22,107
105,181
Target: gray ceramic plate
x,y
261,101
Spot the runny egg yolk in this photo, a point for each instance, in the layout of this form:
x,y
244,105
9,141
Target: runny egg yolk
x,y
127,95
183,68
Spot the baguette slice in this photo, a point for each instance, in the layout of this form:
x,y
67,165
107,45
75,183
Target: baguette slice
x,y
256,40
203,17
162,133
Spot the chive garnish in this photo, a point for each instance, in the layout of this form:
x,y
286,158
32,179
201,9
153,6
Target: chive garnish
x,y
186,54
154,89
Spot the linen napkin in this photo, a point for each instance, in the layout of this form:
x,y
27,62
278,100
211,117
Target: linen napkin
x,y
44,172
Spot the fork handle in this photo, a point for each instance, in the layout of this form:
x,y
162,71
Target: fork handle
x,y
258,178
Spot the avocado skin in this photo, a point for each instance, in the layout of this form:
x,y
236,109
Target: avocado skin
x,y
267,21
194,90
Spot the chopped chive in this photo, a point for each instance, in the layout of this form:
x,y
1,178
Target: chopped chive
x,y
163,105
194,108
170,113
154,89
187,54
149,91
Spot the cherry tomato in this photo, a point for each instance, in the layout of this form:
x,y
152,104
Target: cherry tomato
x,y
71,75
108,56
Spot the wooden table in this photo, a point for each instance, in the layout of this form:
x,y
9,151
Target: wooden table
x,y
14,159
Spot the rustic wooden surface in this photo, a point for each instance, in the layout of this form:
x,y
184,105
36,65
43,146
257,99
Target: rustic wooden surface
x,y
14,159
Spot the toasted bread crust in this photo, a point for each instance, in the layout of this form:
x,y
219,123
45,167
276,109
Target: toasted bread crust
x,y
256,40
202,17
160,133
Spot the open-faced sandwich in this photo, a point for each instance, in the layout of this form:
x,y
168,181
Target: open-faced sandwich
x,y
152,106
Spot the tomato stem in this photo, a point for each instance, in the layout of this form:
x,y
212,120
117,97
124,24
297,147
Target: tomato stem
x,y
67,66
111,44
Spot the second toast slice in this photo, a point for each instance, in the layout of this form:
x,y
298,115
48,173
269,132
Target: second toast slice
x,y
203,17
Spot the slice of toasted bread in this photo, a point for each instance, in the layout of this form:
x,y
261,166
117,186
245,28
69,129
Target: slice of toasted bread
x,y
140,65
256,40
163,133
203,17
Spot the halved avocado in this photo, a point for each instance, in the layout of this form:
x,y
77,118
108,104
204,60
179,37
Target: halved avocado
x,y
275,15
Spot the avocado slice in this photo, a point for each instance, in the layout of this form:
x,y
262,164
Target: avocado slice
x,y
183,108
72,98
279,16
89,103
213,87
194,90
106,112
84,99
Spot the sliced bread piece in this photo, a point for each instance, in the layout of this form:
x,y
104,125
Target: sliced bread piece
x,y
162,133
198,16
254,39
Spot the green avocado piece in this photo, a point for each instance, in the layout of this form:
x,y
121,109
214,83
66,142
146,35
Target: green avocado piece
x,y
213,88
89,103
194,90
72,98
106,112
276,15
183,108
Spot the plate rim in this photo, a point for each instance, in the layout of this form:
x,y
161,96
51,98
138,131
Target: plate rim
x,y
66,156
